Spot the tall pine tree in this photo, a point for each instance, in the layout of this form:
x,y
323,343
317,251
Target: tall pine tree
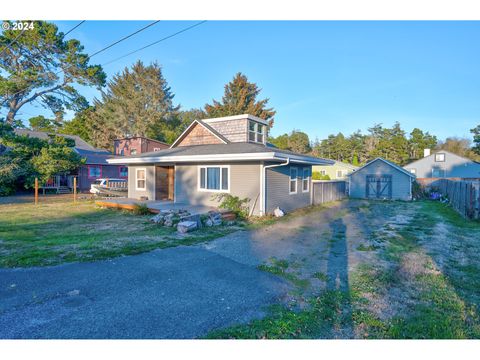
x,y
240,97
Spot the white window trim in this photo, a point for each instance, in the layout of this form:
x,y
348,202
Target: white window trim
x,y
307,178
444,157
290,181
257,133
213,166
136,179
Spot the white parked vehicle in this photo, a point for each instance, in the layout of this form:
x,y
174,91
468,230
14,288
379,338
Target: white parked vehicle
x,y
109,187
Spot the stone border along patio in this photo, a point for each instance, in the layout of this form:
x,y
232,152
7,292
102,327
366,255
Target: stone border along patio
x,y
170,214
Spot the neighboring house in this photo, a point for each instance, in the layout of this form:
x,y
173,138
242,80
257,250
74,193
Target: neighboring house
x,y
381,179
137,145
227,155
338,171
95,167
444,164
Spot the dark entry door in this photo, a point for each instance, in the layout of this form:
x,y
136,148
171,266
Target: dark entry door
x,y
164,182
379,187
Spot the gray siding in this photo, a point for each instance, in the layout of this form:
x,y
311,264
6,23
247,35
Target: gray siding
x,y
244,183
400,181
454,166
150,182
277,180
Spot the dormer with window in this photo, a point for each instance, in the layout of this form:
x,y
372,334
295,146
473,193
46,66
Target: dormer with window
x,y
224,130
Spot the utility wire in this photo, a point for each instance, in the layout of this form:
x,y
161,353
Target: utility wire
x,y
76,26
155,42
124,38
13,41
101,50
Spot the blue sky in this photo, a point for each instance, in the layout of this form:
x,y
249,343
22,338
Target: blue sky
x,y
322,77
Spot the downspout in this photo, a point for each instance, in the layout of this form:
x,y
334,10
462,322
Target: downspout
x,y
264,185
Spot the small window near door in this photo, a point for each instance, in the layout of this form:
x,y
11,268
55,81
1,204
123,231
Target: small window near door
x,y
140,180
306,180
123,171
440,157
293,180
94,171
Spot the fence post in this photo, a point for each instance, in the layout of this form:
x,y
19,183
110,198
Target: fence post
x,y
36,191
75,189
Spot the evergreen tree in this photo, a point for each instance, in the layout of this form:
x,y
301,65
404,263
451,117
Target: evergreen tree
x,y
136,102
476,139
42,66
240,97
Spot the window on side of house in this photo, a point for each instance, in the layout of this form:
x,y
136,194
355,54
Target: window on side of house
x,y
94,171
133,151
413,171
140,179
323,172
306,180
123,171
156,149
293,180
440,157
339,173
214,178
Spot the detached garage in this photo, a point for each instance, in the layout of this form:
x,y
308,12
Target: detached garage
x,y
381,179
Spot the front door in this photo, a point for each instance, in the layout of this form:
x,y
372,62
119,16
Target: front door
x,y
164,182
379,187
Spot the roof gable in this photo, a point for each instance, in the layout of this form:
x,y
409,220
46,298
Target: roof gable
x,y
447,158
386,162
214,138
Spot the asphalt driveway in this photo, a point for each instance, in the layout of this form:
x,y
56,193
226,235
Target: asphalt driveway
x,y
181,292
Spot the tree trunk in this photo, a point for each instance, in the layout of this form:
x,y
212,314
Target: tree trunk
x,y
11,116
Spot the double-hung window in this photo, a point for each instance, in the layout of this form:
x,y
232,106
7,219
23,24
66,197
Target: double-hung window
x,y
293,180
140,180
306,180
214,178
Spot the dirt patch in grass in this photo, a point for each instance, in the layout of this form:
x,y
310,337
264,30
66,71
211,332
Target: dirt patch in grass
x,y
376,270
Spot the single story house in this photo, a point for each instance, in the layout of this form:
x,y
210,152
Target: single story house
x,y
226,155
338,171
381,179
444,164
95,167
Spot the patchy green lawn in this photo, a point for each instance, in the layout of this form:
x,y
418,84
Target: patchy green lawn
x,y
57,232
382,270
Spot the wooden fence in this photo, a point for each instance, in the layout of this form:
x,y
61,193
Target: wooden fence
x,y
326,191
464,196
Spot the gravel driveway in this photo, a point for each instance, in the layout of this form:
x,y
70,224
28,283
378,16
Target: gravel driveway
x,y
181,292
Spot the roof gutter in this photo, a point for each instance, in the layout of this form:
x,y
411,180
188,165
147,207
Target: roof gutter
x,y
264,184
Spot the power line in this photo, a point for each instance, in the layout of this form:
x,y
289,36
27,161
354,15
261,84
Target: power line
x,y
124,38
155,42
76,26
13,41
103,49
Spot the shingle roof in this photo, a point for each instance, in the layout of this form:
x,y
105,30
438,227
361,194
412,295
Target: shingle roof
x,y
97,157
79,142
387,162
221,149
